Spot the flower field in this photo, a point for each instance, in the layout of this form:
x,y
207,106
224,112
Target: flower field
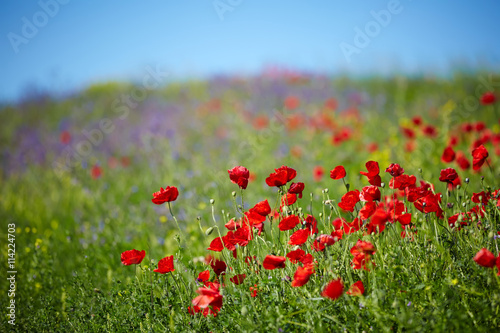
x,y
283,202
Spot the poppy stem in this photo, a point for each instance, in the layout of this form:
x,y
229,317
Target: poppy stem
x,y
175,219
150,275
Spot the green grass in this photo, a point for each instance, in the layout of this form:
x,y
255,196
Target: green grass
x,y
71,228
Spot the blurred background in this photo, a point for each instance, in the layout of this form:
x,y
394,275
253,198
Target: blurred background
x,y
60,47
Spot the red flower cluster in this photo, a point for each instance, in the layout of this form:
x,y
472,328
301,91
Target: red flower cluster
x,y
362,253
210,296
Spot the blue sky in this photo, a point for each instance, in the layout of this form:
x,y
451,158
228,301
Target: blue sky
x,y
84,42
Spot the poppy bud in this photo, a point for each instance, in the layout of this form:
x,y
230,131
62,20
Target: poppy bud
x,y
467,180
209,231
382,185
212,201
234,193
327,190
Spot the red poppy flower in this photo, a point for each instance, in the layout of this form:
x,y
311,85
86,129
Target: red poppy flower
x,y
299,237
368,209
429,204
229,241
327,240
243,235
96,172
203,276
233,225
408,132
165,265
289,223
216,245
338,172
373,173
485,258
272,262
295,256
262,208
253,218
296,188
362,252
349,200
239,175
448,155
479,156
448,175
133,257
373,169
168,194
219,266
278,178
481,197
402,182
357,289
404,219
378,221
318,173
370,193
238,279
288,199
308,259
65,137
317,246
340,224
302,275
290,172
208,296
462,161
430,131
333,290
417,120
395,170
292,102
311,224
488,98
363,247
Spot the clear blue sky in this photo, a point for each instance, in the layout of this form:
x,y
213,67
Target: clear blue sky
x,y
91,41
